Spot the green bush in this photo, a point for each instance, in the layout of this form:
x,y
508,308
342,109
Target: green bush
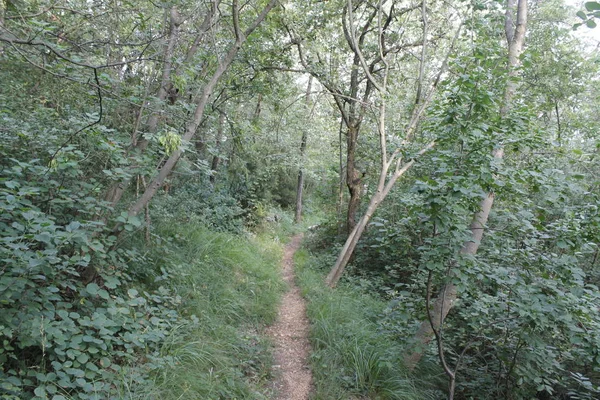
x,y
82,318
351,356
70,318
197,200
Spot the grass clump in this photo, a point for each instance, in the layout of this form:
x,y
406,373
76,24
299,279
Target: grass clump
x,y
230,287
351,357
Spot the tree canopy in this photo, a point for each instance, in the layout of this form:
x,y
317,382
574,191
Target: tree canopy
x,y
449,150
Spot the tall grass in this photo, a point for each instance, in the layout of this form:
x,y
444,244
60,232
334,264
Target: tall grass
x,y
279,224
351,359
231,285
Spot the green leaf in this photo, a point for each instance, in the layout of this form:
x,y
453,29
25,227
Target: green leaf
x,y
111,282
83,358
105,362
44,237
581,15
75,372
28,215
92,289
73,225
11,184
103,294
40,391
592,6
135,221
591,23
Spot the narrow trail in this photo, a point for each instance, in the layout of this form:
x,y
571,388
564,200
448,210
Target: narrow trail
x,y
293,377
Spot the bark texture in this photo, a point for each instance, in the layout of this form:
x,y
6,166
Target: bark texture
x,y
353,177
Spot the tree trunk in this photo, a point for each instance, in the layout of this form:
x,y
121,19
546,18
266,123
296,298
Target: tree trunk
x,y
558,130
223,65
353,177
216,159
384,185
300,185
258,109
2,11
449,293
340,196
383,189
116,191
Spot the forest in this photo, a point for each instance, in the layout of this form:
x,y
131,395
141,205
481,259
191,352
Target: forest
x,y
439,159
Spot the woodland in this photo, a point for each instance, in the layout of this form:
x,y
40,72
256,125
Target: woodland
x,y
442,159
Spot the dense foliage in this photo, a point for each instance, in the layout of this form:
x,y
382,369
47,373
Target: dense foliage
x,y
146,148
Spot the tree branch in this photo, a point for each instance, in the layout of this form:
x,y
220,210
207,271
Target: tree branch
x,y
358,52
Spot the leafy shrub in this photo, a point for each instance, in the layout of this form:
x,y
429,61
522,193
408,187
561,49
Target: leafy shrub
x,y
351,356
199,201
70,319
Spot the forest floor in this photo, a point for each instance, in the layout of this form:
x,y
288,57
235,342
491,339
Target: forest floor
x,y
293,377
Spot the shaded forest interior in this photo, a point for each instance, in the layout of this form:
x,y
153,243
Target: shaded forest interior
x,y
442,158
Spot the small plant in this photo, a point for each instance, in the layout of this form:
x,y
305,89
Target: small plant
x,y
351,356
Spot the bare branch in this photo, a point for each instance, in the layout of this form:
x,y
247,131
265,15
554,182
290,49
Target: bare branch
x,y
11,39
358,51
423,53
419,109
236,21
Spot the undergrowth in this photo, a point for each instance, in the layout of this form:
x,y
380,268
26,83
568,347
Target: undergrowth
x,y
351,358
230,288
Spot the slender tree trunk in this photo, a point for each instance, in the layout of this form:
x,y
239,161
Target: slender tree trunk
x,y
449,293
386,184
353,177
116,191
166,86
225,62
383,189
205,26
2,11
352,115
258,109
558,130
340,201
300,185
216,159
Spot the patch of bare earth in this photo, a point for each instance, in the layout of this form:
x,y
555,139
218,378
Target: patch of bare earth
x,y
293,378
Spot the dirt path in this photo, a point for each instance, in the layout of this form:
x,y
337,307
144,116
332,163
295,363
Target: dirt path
x,y
293,378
